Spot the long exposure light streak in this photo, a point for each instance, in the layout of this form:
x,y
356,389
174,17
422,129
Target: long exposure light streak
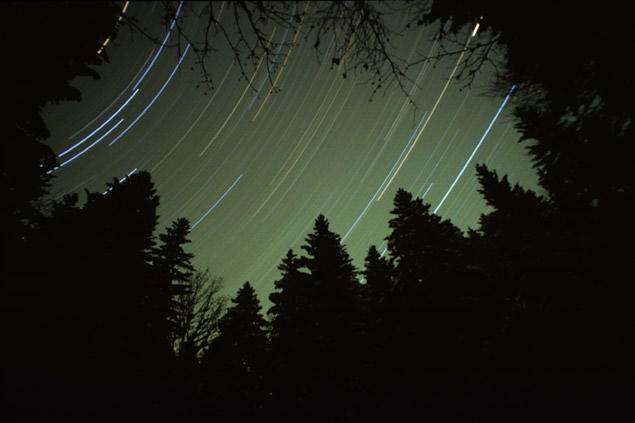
x,y
68,150
216,203
163,44
105,43
321,144
211,141
284,63
165,84
268,76
120,181
422,196
478,145
125,90
87,148
434,108
209,103
374,196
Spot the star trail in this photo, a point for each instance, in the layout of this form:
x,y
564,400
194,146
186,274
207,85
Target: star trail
x,y
251,166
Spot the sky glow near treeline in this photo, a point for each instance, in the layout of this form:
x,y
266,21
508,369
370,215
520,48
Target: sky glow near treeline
x,y
252,170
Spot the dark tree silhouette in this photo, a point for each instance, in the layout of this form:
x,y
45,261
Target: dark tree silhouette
x,y
174,273
290,337
236,358
377,273
333,283
423,246
171,257
376,295
197,312
314,327
88,296
334,308
60,55
289,310
529,315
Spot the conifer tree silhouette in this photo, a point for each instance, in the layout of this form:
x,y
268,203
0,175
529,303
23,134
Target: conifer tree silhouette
x,y
237,357
174,274
376,298
428,254
290,337
334,287
334,308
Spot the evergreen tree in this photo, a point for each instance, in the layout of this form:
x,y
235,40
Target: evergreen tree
x,y
376,330
88,286
120,233
425,249
290,338
428,254
236,357
377,276
315,327
335,310
174,274
334,288
290,317
171,257
376,298
25,177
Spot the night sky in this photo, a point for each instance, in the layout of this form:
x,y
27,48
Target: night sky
x,y
252,171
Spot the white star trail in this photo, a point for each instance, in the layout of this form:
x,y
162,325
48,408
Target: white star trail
x,y
253,161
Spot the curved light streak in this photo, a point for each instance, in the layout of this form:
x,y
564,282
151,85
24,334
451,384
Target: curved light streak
x,y
120,180
216,203
434,108
114,101
370,202
478,145
68,150
156,166
165,39
165,84
211,141
284,63
86,149
105,43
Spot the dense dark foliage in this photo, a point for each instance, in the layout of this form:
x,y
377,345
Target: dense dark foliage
x,y
56,49
528,317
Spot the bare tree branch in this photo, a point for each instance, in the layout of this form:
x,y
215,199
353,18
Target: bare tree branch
x,y
359,32
197,311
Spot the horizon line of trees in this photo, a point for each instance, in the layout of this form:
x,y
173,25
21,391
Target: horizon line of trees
x,y
444,319
530,316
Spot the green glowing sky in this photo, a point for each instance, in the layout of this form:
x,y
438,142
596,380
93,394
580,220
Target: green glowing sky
x,y
318,146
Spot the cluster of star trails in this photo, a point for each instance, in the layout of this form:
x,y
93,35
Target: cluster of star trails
x,y
252,163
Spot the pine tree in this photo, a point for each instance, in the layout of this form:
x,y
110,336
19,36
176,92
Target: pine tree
x,y
292,323
117,238
428,254
334,286
424,248
376,297
335,310
377,276
236,358
174,274
171,257
376,326
289,311
242,329
315,326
